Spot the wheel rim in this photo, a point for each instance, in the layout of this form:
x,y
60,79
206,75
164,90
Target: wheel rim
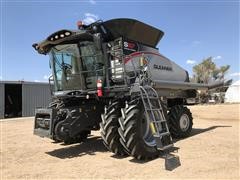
x,y
147,133
184,122
59,131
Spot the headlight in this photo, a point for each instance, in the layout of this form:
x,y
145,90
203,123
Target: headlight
x,y
67,33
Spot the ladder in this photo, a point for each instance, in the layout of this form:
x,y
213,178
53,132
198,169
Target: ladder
x,y
155,116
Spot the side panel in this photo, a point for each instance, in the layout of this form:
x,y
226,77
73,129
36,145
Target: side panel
x,y
34,96
159,66
2,100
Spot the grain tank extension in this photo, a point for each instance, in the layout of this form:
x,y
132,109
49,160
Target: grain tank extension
x,y
110,76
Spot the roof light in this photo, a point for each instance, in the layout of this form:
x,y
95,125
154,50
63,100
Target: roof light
x,y
67,33
59,35
79,24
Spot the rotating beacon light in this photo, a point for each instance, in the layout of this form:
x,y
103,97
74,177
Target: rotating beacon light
x,y
80,24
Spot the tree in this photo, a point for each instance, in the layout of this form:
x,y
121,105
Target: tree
x,y
207,71
222,71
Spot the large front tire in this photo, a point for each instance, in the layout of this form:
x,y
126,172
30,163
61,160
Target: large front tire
x,y
109,128
133,130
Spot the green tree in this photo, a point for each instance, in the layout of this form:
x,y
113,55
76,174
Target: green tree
x,y
222,71
207,71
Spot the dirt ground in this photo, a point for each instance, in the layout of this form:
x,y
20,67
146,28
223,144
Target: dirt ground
x,y
212,152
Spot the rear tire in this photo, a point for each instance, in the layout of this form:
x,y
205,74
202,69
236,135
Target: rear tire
x,y
109,128
180,121
132,132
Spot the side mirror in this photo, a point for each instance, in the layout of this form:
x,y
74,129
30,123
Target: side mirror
x,y
98,41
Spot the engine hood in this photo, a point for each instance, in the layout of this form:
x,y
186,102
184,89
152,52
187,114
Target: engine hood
x,y
134,30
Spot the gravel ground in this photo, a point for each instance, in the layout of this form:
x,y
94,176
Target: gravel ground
x,y
212,152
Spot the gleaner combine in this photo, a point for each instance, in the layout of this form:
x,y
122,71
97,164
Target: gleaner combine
x,y
110,76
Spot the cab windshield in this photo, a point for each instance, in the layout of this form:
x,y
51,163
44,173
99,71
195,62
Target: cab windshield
x,y
76,66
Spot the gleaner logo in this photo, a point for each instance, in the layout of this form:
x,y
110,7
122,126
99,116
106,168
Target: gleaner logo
x,y
161,67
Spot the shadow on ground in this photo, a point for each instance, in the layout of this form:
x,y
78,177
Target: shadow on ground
x,y
89,147
94,144
196,131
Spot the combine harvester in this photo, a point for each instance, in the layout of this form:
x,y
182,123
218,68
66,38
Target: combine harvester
x,y
110,76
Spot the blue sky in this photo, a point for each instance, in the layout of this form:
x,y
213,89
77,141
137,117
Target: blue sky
x,y
193,30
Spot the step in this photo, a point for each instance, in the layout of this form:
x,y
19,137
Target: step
x,y
160,145
165,147
158,122
159,109
162,134
156,97
150,98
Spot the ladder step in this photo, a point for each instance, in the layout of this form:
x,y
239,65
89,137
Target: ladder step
x,y
165,147
162,143
162,134
151,97
159,109
165,133
158,122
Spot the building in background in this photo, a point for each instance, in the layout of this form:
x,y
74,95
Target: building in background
x,y
19,98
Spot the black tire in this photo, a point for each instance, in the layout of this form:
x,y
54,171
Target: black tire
x,y
174,118
131,133
58,134
63,136
109,128
82,135
78,138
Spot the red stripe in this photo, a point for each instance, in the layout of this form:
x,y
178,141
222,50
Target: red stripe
x,y
130,56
